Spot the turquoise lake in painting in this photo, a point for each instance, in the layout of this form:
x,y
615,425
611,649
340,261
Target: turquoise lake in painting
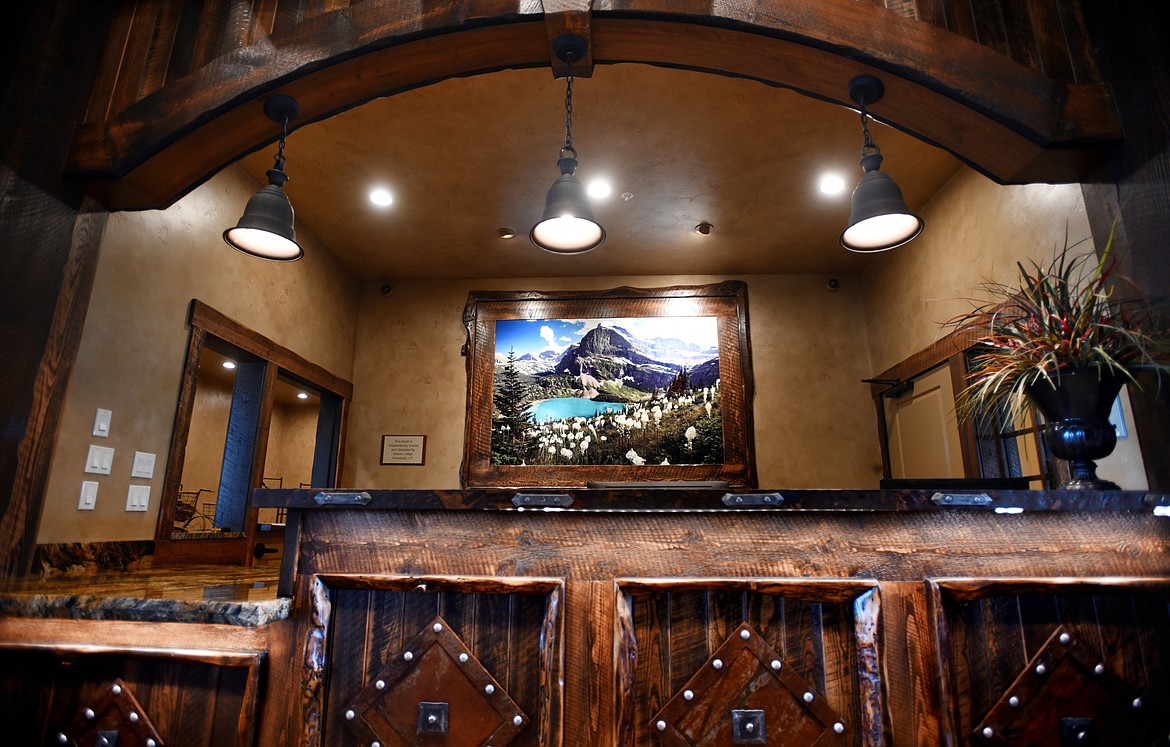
x,y
559,408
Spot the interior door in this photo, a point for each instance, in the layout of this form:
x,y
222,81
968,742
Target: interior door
x,y
921,427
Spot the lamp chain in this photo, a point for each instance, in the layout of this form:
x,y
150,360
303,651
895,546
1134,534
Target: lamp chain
x,y
279,166
569,106
867,145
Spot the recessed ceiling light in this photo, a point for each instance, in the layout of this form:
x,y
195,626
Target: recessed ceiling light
x,y
831,184
302,395
229,364
599,188
703,228
381,197
505,233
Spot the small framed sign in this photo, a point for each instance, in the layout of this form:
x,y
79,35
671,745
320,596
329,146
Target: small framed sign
x,y
404,449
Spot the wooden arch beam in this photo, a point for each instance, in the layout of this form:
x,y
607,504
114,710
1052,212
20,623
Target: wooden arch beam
x,y
1007,121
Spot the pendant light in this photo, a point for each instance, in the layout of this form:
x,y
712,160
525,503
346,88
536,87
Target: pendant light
x,y
567,225
879,218
265,229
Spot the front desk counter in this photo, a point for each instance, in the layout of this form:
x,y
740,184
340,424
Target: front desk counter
x,y
688,616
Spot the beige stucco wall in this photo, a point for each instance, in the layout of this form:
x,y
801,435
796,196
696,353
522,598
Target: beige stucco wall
x,y
815,425
135,337
975,231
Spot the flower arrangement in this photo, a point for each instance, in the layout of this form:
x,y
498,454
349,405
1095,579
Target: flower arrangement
x,y
1056,317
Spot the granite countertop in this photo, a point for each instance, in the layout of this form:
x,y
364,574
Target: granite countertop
x,y
227,595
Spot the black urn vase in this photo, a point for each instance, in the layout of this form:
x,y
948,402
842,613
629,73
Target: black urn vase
x,y
1076,404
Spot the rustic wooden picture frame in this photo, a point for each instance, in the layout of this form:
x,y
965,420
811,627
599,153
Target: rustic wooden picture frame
x,y
726,301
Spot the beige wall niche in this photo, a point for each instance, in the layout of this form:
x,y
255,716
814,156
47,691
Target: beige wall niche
x,y
135,339
976,231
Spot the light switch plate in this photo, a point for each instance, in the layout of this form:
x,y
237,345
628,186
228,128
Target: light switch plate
x,y
101,423
100,460
143,465
138,498
89,491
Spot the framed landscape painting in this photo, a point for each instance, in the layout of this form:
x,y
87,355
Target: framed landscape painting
x,y
610,388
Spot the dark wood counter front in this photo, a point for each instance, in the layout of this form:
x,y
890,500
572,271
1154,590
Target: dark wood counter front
x,y
171,657
692,615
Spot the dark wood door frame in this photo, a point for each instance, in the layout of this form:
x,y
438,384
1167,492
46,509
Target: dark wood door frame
x,y
207,323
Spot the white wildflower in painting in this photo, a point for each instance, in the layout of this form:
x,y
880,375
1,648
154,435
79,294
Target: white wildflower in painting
x,y
567,453
690,434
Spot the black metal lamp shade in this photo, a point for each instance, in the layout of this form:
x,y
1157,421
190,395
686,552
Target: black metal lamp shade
x,y
265,229
879,218
567,225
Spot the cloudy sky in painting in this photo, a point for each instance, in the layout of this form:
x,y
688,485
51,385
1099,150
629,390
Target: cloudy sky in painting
x,y
534,336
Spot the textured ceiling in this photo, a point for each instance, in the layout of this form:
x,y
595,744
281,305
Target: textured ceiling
x,y
467,156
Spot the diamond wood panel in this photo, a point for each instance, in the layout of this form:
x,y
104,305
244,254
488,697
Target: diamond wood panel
x,y
1033,661
746,674
1064,687
380,628
825,636
115,718
435,668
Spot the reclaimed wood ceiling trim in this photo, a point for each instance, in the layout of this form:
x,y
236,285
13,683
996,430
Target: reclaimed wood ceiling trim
x,y
1010,122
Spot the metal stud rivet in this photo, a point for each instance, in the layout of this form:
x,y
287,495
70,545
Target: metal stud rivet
x,y
437,628
380,684
375,744
1013,701
839,727
688,695
808,697
432,719
1065,638
62,738
661,726
1041,669
1099,669
776,664
1137,702
350,715
988,732
517,719
749,727
745,634
151,743
89,713
489,689
718,663
133,717
463,658
103,742
408,656
117,689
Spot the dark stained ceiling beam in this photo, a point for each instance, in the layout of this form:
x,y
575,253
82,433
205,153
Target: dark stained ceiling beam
x,y
1010,122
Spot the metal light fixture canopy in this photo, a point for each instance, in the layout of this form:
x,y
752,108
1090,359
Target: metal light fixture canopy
x,y
265,230
879,218
567,225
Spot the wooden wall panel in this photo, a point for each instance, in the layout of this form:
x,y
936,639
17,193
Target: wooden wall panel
x,y
993,635
676,627
190,703
507,628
